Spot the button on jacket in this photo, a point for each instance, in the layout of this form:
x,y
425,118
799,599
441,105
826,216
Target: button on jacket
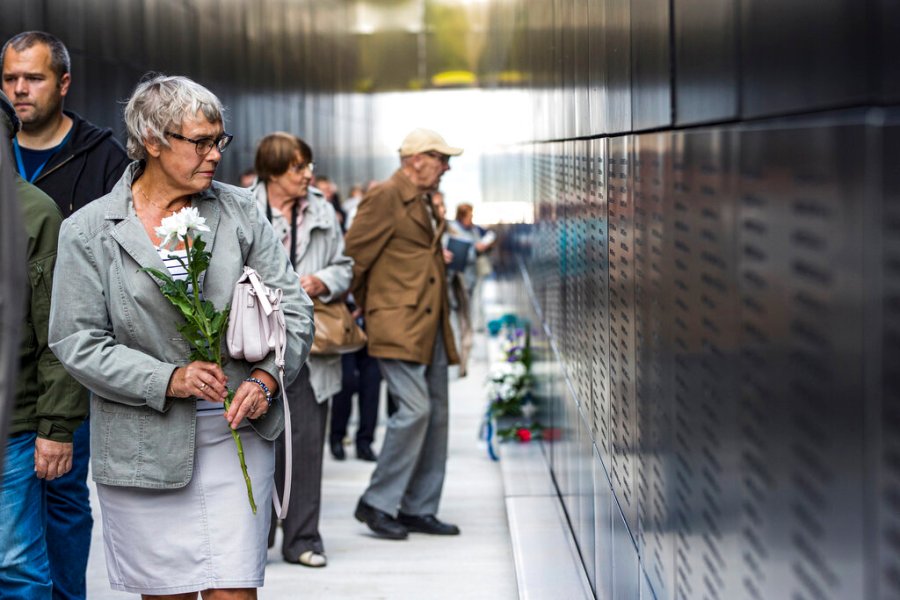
x,y
116,333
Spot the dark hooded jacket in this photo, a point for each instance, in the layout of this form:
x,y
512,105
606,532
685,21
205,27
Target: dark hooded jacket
x,y
48,400
87,167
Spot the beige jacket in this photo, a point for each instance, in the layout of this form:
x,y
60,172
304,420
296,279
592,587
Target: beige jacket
x,y
398,273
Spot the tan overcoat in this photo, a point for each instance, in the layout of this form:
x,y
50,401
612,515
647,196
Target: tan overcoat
x,y
398,273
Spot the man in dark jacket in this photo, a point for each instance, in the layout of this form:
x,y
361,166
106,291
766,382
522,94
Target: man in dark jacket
x,y
69,158
74,162
49,407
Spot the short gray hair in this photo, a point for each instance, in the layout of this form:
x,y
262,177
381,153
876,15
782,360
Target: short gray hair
x,y
162,102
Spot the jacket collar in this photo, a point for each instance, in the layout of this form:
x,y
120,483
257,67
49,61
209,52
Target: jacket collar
x,y
315,214
128,230
414,199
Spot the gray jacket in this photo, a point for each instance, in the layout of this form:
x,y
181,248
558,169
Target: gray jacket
x,y
319,247
116,333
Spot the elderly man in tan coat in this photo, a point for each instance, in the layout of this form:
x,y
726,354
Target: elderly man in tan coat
x,y
399,283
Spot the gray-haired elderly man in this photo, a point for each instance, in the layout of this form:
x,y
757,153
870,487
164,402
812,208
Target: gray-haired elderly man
x,y
400,284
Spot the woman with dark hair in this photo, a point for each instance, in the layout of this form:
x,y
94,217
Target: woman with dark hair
x,y
311,237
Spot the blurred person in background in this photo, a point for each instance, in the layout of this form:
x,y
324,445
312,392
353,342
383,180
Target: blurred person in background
x,y
311,237
458,291
360,377
248,178
478,267
351,204
329,190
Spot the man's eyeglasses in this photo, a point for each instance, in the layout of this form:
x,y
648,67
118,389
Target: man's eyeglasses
x,y
441,157
204,145
300,167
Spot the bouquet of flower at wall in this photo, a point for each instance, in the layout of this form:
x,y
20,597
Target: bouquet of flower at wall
x,y
203,326
508,387
516,347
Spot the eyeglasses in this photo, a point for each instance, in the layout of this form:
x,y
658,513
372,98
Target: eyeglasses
x,y
300,167
441,157
204,145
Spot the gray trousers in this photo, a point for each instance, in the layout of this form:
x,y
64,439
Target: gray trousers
x,y
413,459
308,418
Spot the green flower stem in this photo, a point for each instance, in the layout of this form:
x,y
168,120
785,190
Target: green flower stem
x,y
240,450
201,316
216,350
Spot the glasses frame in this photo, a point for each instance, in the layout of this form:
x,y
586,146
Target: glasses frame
x,y
221,142
299,168
443,158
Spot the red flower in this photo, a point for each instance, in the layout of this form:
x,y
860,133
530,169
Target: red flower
x,y
524,434
551,434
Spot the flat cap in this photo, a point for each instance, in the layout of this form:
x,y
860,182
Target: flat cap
x,y
425,140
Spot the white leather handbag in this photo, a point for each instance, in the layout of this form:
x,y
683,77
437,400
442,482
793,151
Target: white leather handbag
x,y
256,328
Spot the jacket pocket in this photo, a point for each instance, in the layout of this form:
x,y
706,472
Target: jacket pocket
x,y
392,300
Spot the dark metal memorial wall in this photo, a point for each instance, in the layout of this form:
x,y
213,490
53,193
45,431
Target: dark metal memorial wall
x,y
713,282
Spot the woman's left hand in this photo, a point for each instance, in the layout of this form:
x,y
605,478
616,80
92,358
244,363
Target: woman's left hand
x,y
313,286
249,401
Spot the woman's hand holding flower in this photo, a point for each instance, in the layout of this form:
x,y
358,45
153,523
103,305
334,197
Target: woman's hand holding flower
x,y
204,380
249,400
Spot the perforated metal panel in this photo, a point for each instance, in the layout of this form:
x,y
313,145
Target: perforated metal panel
x,y
623,421
653,364
580,273
597,326
800,370
703,322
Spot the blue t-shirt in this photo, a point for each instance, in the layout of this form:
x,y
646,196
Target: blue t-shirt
x,y
32,162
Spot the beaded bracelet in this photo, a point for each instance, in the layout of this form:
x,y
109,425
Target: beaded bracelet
x,y
264,387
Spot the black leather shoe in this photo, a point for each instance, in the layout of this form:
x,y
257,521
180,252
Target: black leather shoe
x,y
427,524
365,453
337,451
382,524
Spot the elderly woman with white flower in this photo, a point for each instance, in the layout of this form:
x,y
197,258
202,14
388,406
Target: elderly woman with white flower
x,y
176,519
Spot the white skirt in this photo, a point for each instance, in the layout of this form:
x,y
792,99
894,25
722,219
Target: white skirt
x,y
199,537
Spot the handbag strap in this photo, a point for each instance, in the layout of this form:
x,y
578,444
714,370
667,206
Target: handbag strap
x,y
281,505
294,210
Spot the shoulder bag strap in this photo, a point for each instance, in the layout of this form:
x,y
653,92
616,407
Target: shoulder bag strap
x,y
281,506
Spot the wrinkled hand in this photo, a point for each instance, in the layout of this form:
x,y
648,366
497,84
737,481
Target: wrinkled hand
x,y
249,402
52,459
448,256
204,380
313,286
